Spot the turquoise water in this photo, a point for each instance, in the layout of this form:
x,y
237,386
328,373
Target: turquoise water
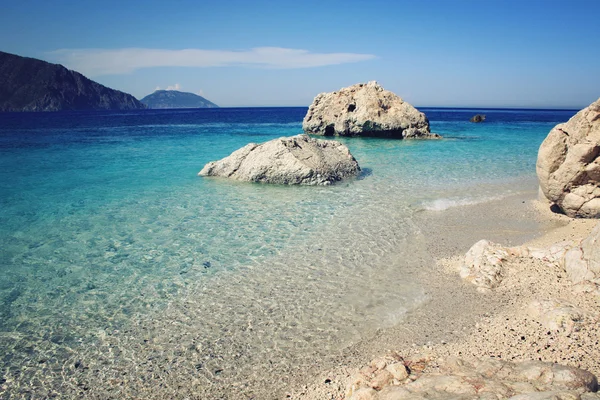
x,y
119,263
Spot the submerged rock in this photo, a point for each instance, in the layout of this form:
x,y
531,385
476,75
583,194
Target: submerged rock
x,y
568,164
365,110
296,160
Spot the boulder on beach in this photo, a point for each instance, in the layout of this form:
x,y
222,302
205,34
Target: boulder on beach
x,y
365,110
477,118
482,265
296,160
568,164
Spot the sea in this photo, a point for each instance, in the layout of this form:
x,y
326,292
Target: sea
x,y
123,274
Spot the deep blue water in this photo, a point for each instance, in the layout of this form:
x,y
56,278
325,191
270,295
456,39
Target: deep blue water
x,y
104,224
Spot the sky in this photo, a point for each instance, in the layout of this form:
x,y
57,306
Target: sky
x,y
444,53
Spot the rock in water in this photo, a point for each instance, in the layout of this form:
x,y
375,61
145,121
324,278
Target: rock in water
x,y
365,110
296,160
477,118
568,164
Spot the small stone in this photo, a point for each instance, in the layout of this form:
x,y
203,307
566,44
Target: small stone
x,y
355,383
381,379
398,371
379,363
482,264
369,370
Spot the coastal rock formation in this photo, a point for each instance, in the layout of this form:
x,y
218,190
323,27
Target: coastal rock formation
x,y
425,378
27,84
477,118
582,262
483,264
175,99
296,160
568,164
365,110
529,345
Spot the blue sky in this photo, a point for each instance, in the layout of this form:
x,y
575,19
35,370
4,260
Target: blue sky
x,y
487,53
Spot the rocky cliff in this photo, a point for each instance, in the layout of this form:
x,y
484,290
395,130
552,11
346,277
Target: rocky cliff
x,y
28,84
176,99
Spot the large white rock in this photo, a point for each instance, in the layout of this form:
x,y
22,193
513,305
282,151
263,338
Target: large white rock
x,y
296,160
365,110
568,164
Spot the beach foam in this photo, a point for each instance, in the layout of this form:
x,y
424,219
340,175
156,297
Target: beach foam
x,y
444,204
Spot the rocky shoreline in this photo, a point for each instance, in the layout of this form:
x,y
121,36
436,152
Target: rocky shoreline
x,y
475,328
539,302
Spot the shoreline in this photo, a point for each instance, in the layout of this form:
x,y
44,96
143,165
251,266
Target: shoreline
x,y
457,320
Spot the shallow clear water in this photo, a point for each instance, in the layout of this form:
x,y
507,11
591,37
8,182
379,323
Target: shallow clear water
x,y
110,241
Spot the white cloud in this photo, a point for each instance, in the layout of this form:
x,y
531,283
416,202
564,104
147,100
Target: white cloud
x,y
174,87
94,62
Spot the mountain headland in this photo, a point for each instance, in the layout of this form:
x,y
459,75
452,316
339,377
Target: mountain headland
x,y
176,99
29,84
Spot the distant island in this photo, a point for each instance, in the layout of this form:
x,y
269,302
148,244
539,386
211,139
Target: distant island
x,y
29,84
176,99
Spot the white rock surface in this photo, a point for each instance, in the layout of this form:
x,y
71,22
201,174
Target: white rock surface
x,y
486,378
582,262
365,110
482,265
296,160
568,164
557,315
553,254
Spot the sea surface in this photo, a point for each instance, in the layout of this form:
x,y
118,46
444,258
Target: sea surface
x,y
124,274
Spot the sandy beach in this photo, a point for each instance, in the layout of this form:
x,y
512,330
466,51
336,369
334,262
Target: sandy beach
x,y
460,321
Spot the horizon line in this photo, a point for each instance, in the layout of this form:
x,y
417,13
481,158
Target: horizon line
x,y
570,108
